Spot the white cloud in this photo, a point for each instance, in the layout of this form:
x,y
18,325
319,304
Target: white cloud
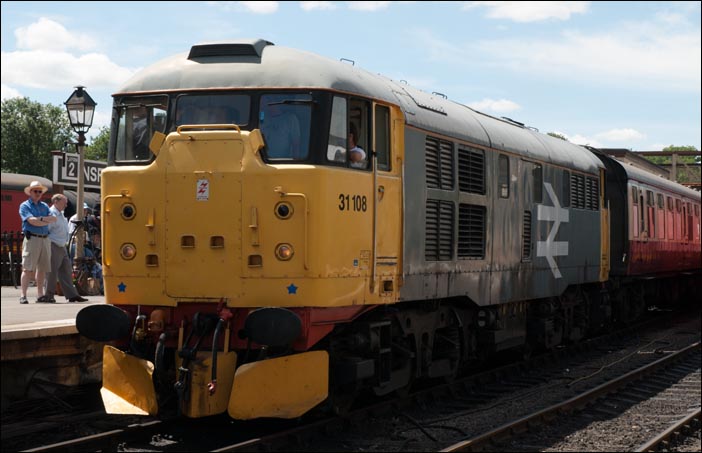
x,y
525,11
500,105
621,135
260,7
650,55
368,6
45,34
646,58
60,70
310,6
627,138
41,63
579,139
9,92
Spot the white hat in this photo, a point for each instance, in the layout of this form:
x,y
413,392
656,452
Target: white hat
x,y
359,150
35,185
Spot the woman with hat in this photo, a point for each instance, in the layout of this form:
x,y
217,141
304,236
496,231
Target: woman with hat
x,y
36,248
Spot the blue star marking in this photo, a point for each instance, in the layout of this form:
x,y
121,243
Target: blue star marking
x,y
292,289
122,287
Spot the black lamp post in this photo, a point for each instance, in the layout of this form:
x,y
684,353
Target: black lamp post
x,y
81,108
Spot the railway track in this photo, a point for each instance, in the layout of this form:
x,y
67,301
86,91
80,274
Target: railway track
x,y
428,419
676,373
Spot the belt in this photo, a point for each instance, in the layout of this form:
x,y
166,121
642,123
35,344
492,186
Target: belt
x,y
29,235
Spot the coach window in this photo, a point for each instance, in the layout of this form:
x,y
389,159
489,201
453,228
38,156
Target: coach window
x,y
382,137
669,219
660,216
503,178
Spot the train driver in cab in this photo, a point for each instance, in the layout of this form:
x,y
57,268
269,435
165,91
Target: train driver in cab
x,y
357,157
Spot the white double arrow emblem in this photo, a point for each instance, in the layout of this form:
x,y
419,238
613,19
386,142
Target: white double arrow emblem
x,y
550,247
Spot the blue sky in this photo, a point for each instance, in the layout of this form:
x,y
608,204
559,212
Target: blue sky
x,y
610,74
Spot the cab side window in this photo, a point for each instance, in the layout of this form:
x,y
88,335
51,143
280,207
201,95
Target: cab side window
x,y
349,134
338,131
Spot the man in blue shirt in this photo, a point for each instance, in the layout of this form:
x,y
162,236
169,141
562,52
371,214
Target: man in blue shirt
x,y
36,247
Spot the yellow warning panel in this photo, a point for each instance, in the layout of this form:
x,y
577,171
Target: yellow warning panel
x,y
127,387
284,387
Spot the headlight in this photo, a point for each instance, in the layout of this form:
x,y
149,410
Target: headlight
x,y
284,252
127,251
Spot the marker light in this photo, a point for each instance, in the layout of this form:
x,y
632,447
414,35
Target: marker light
x,y
283,210
128,211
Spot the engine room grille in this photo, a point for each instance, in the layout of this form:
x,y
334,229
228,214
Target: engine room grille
x,y
471,171
584,192
526,236
439,231
439,163
593,194
577,191
471,231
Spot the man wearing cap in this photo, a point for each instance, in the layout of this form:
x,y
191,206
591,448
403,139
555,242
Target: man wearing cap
x,y
36,247
74,218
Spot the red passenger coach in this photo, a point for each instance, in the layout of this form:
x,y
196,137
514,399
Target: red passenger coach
x,y
13,196
664,225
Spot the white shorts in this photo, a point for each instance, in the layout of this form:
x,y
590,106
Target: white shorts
x,y
36,254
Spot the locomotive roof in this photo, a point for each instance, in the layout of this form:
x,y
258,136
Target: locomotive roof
x,y
637,174
260,64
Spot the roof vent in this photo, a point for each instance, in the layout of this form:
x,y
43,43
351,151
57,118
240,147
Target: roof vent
x,y
239,49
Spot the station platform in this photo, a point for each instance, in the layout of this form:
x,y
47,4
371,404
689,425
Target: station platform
x,y
19,320
40,344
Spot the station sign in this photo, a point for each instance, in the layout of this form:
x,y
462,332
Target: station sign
x,y
66,171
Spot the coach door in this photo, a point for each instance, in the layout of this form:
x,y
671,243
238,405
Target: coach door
x,y
203,214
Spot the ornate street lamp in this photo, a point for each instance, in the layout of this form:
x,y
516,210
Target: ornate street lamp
x,y
81,108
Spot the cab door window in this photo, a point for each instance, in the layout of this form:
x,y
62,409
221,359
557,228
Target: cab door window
x,y
382,137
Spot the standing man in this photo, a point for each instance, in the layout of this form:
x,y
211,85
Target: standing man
x,y
36,247
60,263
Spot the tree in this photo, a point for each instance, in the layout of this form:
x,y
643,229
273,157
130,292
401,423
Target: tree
x,y
557,135
97,150
688,167
30,131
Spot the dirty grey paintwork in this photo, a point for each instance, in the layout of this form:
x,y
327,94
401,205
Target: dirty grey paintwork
x,y
502,275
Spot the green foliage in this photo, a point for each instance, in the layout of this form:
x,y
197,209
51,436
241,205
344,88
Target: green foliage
x,y
688,167
30,131
97,150
554,134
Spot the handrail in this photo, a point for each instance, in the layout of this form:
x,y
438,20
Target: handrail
x,y
375,223
199,127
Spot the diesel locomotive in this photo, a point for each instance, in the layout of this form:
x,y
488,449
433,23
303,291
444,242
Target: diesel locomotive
x,y
251,266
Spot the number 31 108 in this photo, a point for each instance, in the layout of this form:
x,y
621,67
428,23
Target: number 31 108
x,y
352,202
